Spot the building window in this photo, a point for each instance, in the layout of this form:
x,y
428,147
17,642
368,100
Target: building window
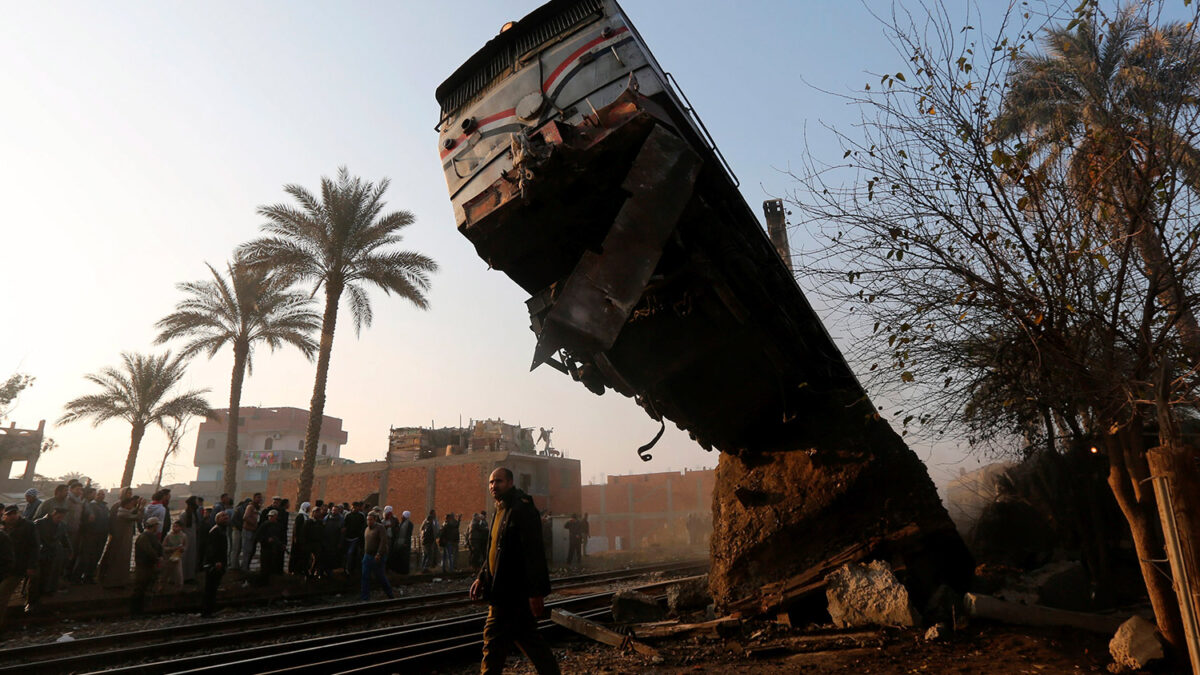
x,y
300,445
269,444
324,448
212,443
526,482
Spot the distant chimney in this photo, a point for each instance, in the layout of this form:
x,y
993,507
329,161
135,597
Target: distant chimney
x,y
777,230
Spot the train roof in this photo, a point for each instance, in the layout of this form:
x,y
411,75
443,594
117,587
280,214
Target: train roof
x,y
554,16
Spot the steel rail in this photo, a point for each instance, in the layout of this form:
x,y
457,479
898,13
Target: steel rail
x,y
339,647
405,658
224,632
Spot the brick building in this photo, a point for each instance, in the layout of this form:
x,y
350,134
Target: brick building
x,y
268,439
455,483
651,508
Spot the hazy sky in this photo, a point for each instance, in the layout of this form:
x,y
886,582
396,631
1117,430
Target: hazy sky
x,y
137,139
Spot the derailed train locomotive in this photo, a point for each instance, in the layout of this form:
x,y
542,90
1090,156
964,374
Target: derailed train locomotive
x,y
577,169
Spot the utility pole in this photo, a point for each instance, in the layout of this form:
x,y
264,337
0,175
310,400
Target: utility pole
x,y
777,230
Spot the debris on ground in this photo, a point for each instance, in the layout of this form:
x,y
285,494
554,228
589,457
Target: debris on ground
x,y
869,595
599,633
688,595
751,647
636,607
1063,584
988,607
1135,644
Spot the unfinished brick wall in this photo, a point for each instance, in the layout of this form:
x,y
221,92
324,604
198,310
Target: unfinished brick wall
x,y
651,506
350,487
566,495
461,489
406,490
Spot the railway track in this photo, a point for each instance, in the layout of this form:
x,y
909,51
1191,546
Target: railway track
x,y
203,645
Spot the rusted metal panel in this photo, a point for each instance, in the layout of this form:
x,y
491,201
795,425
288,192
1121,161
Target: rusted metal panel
x,y
599,296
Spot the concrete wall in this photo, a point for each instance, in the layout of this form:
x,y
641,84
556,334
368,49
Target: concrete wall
x,y
282,428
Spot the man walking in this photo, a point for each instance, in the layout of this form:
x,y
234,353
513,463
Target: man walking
x,y
375,551
216,553
514,581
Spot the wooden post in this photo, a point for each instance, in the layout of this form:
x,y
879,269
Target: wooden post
x,y
1175,485
599,633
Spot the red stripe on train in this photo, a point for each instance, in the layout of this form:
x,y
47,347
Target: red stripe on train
x,y
511,112
578,53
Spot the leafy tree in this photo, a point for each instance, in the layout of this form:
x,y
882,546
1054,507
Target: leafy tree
x,y
248,306
1006,297
343,242
139,392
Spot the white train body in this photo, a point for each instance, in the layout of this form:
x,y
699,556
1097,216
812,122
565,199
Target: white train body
x,y
578,56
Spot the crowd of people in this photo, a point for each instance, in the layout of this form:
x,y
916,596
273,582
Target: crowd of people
x,y
77,537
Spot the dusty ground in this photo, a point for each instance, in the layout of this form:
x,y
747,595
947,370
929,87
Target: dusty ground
x,y
982,648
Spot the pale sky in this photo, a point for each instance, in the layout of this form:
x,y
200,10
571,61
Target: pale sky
x,y
137,139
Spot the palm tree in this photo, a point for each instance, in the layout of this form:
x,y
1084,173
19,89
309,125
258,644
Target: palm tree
x,y
139,393
1107,98
251,305
342,242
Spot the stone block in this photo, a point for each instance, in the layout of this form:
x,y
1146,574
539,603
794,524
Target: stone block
x,y
868,595
1136,644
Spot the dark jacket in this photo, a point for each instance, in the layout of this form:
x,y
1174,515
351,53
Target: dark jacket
x,y
26,549
477,536
8,566
31,509
99,518
270,534
520,571
53,538
449,534
355,523
216,547
404,531
313,530
147,550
